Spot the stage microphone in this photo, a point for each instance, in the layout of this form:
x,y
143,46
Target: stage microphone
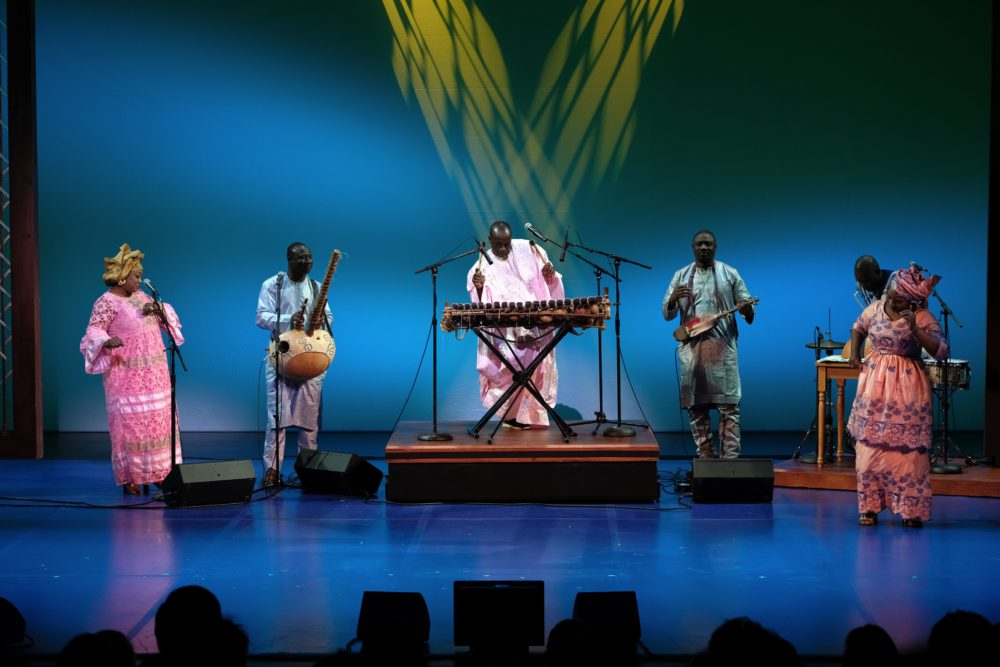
x,y
156,295
562,257
483,252
277,323
531,230
819,334
914,265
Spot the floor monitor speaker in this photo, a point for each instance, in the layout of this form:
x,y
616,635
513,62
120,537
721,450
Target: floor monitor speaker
x,y
211,483
339,474
732,480
499,614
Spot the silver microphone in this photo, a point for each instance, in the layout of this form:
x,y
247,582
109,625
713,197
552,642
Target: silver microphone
x,y
914,265
156,295
531,230
482,252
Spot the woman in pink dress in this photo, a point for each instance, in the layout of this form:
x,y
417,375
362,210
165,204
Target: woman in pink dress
x,y
892,419
124,343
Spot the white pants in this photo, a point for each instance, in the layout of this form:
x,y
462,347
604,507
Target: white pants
x,y
275,440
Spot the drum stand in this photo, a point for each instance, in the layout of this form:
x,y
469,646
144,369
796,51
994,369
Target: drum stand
x,y
942,442
819,344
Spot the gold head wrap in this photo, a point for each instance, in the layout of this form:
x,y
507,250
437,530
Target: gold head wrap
x,y
118,268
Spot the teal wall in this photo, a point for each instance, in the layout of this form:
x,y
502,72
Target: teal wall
x,y
212,134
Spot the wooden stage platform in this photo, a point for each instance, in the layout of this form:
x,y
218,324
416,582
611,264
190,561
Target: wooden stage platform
x,y
976,481
520,466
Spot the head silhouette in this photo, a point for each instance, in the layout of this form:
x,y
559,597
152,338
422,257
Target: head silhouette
x,y
184,620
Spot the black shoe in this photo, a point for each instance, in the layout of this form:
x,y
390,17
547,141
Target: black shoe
x,y
271,478
516,425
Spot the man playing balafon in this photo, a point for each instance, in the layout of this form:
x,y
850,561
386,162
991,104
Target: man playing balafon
x,y
521,271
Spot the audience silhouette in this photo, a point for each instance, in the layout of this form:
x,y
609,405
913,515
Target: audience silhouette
x,y
186,625
869,645
85,650
575,643
961,638
191,632
745,641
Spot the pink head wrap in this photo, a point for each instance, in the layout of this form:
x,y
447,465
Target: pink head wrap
x,y
911,284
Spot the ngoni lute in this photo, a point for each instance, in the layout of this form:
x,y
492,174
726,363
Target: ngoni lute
x,y
696,326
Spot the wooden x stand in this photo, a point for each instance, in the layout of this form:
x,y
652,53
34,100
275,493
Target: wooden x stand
x,y
522,380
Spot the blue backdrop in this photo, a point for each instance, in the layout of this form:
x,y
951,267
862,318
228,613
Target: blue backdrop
x,y
212,134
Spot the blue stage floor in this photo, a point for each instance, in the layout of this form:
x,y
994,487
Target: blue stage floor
x,y
291,568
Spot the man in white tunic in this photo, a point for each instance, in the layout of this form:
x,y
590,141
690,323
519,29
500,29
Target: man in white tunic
x,y
279,309
710,375
521,271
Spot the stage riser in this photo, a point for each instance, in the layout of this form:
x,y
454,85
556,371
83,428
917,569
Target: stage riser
x,y
563,482
975,481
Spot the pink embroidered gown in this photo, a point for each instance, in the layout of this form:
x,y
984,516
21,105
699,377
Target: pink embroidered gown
x,y
892,419
136,384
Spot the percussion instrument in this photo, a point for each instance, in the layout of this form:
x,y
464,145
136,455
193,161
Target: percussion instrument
x,y
825,345
579,312
696,326
955,371
306,352
849,348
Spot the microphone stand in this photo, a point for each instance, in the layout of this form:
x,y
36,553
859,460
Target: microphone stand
x,y
174,352
279,444
619,430
434,435
944,397
599,416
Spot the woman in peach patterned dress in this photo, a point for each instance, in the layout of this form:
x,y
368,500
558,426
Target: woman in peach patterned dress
x,y
124,343
892,418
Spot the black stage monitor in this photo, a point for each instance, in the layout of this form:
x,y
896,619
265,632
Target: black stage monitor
x,y
499,614
337,473
209,483
732,480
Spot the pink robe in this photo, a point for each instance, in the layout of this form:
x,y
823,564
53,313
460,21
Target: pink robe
x,y
136,384
517,278
892,418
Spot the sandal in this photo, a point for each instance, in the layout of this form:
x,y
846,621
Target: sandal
x,y
131,489
868,519
913,523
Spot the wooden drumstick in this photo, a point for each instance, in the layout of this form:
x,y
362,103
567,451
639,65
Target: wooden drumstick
x,y
478,272
534,246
